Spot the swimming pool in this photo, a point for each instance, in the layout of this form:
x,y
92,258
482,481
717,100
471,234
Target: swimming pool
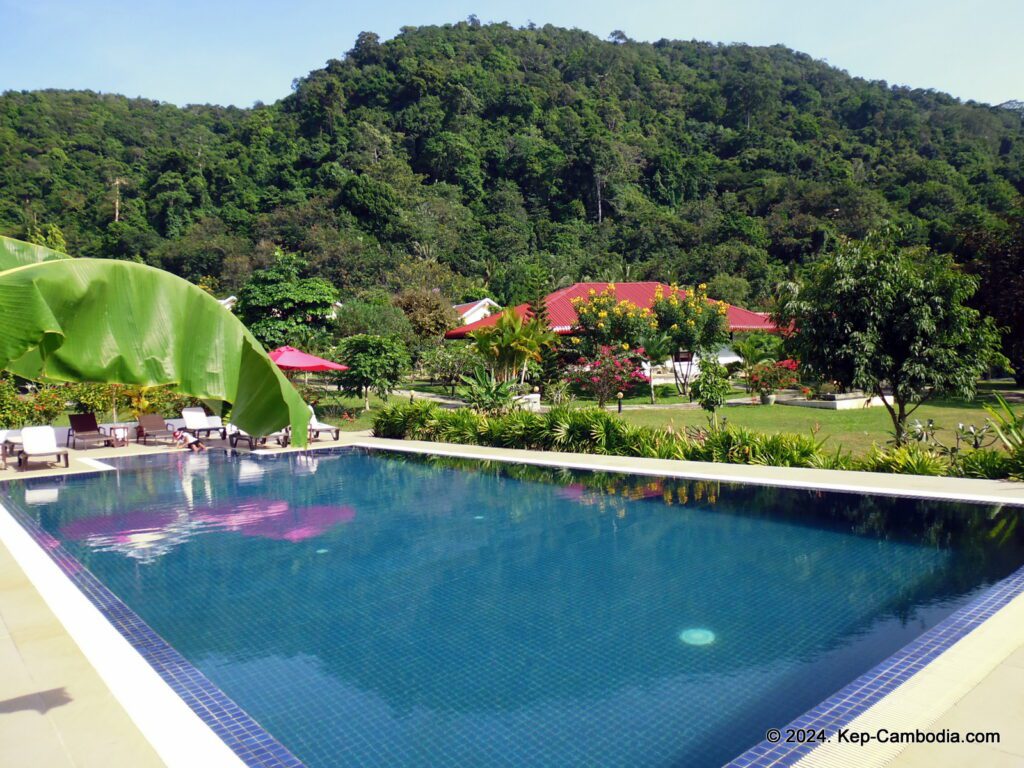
x,y
383,610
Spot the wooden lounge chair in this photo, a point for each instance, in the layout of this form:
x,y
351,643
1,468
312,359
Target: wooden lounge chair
x,y
236,435
201,425
39,442
84,429
152,425
316,427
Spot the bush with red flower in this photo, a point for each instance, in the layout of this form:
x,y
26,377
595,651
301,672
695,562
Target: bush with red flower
x,y
768,377
610,371
48,402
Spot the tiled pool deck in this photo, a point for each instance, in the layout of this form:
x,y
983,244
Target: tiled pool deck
x,y
960,664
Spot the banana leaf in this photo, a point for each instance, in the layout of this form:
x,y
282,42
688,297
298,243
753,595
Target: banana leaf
x,y
17,253
106,321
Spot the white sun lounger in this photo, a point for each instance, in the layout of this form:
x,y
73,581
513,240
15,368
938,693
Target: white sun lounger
x,y
200,425
316,427
39,442
236,435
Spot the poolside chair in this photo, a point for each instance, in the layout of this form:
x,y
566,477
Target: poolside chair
x,y
316,427
152,425
236,435
84,429
201,425
37,442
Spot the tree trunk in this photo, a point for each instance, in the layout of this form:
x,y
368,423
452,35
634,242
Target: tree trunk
x,y
366,398
650,372
675,377
597,189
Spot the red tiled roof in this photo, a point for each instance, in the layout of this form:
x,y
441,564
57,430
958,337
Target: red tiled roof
x,y
562,316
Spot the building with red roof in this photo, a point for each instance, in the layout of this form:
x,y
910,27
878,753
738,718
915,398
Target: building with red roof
x,y
562,315
472,311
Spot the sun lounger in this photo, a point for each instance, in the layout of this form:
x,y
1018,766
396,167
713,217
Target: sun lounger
x,y
84,429
316,427
236,435
201,425
152,425
39,442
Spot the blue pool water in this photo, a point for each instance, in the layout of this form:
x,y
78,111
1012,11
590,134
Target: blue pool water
x,y
374,610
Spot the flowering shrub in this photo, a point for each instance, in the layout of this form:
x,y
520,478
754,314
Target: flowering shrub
x,y
13,409
46,404
693,321
769,376
603,320
610,371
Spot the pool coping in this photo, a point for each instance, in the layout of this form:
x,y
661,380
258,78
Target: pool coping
x,y
247,743
994,492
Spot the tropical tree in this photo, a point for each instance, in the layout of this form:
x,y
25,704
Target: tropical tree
x,y
428,311
378,318
281,307
375,363
118,322
1000,266
754,348
448,363
892,321
605,321
695,323
511,343
711,388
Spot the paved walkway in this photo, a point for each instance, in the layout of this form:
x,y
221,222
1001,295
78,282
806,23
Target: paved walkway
x,y
55,711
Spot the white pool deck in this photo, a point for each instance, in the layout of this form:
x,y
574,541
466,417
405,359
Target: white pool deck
x,y
62,705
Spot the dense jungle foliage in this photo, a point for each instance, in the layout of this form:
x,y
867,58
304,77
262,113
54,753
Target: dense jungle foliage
x,y
518,158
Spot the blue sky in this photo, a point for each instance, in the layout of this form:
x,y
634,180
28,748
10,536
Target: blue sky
x,y
194,51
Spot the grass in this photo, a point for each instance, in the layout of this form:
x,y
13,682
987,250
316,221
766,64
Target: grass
x,y
854,430
422,386
666,395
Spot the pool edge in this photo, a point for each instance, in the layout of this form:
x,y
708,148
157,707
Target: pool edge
x,y
996,492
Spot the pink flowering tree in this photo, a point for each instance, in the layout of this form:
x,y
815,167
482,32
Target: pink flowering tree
x,y
610,371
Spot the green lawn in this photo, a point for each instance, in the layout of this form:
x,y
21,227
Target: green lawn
x,y
329,405
854,430
422,386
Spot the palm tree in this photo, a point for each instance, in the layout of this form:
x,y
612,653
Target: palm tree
x,y
118,322
756,348
658,347
511,343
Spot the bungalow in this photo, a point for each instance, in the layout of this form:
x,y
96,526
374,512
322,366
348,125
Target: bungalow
x,y
563,318
472,311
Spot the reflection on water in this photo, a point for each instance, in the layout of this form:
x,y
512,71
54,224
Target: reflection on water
x,y
387,610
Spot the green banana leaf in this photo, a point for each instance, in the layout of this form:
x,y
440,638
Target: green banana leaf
x,y
106,321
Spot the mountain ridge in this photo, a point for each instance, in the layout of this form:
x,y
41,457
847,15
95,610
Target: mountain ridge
x,y
510,156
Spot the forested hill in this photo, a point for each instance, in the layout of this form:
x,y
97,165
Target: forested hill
x,y
514,156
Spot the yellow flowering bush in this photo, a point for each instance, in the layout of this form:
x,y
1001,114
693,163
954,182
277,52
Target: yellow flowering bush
x,y
695,322
605,321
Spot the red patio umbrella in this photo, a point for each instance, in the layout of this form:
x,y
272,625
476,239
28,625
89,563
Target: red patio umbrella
x,y
292,359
